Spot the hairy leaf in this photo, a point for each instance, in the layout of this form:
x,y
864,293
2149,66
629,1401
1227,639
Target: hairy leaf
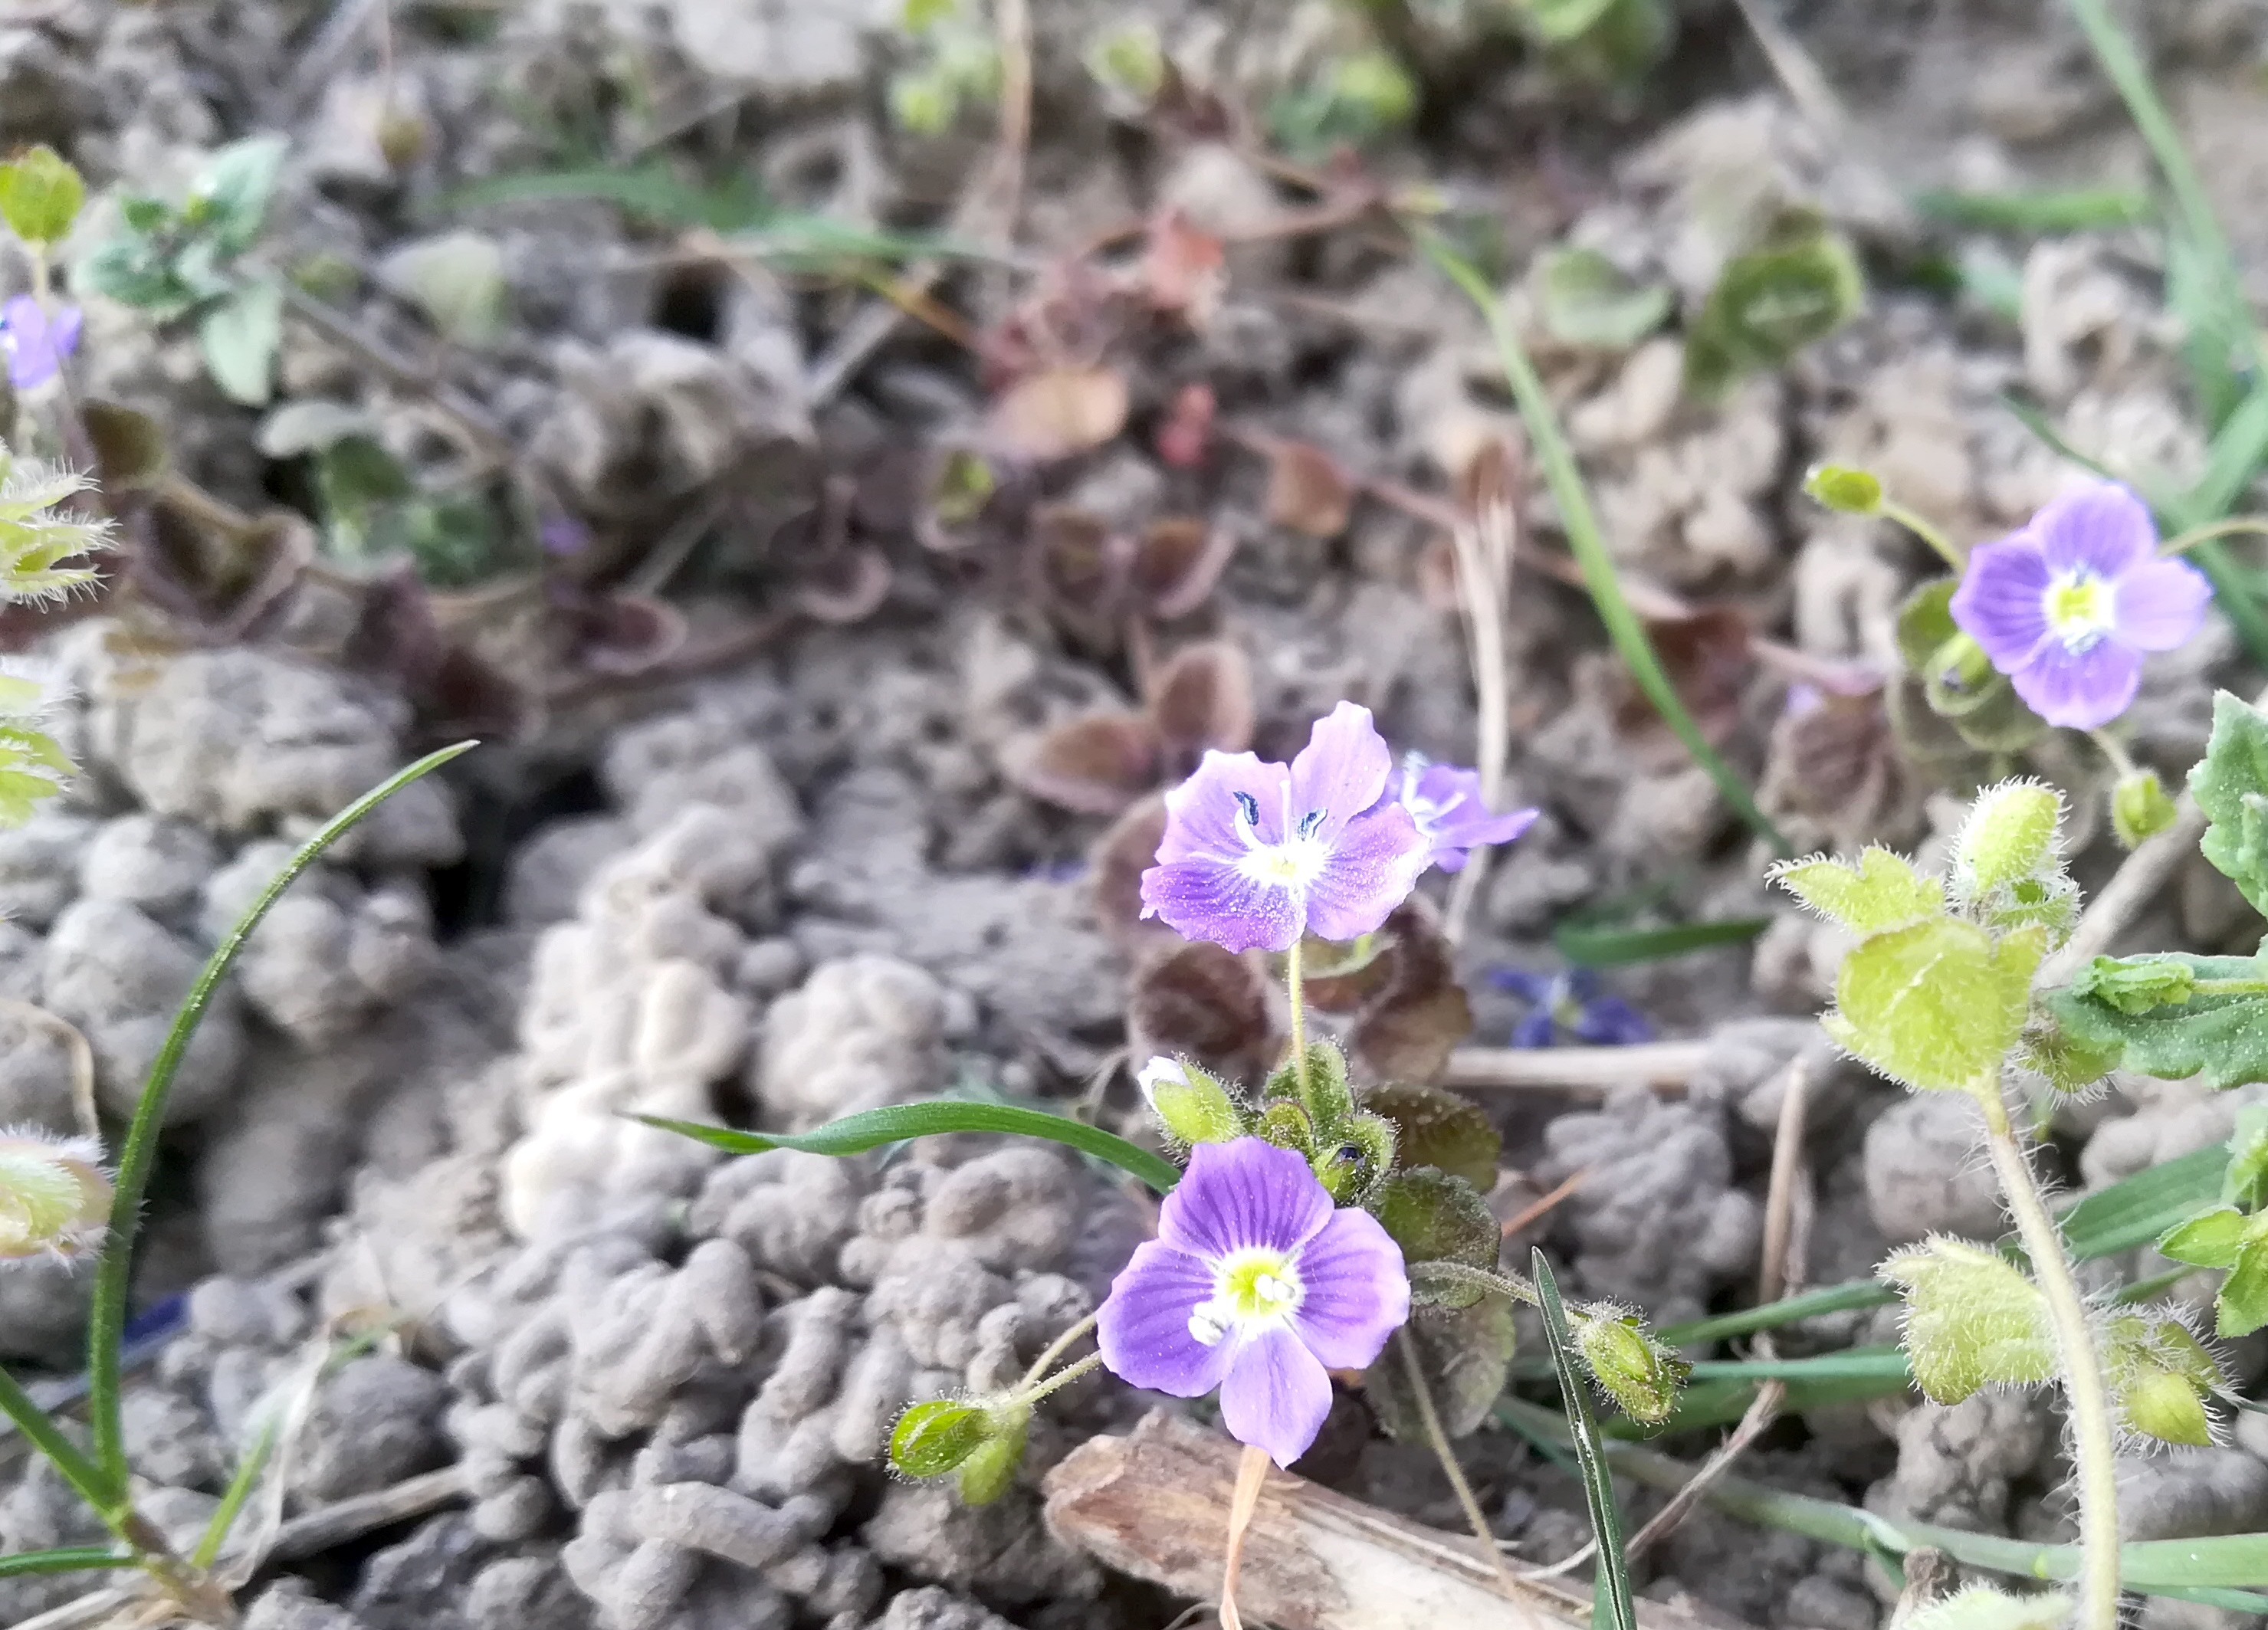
x,y
1096,765
240,336
1802,285
2231,786
1936,1006
1584,298
1464,1353
1435,1128
2224,1038
39,196
1435,1217
1972,1318
1879,892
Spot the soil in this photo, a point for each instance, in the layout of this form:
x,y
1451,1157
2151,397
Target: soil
x,y
784,808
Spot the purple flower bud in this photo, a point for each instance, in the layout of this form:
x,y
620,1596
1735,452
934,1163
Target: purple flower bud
x,y
36,347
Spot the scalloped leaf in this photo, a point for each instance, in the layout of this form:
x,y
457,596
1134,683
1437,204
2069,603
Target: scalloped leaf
x,y
1879,892
2222,1038
1972,1319
1936,1005
2230,784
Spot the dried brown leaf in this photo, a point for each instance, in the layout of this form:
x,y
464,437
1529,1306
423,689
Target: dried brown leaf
x,y
847,586
1119,858
1437,574
1341,978
1177,563
1194,999
1836,760
1706,655
1095,766
1408,1032
623,634
1433,1127
1308,490
1080,566
1058,412
129,446
1201,698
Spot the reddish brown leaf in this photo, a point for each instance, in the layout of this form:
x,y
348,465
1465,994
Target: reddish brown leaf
x,y
1183,270
1433,1127
1185,434
1706,655
1836,760
1408,1032
846,586
621,633
1308,491
1058,412
1194,999
1119,858
1079,564
1201,698
1341,978
1177,563
1096,765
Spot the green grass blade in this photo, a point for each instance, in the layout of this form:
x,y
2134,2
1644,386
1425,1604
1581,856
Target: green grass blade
x,y
107,1321
1842,1298
1589,544
1610,948
62,1560
855,1134
1611,1607
233,1500
94,1486
2046,210
651,191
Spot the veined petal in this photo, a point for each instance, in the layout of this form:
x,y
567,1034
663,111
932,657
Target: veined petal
x,y
1342,770
2080,690
1143,1326
2160,604
1243,1194
1373,866
1200,813
1458,835
2099,525
2002,600
1357,1291
1213,899
1276,1395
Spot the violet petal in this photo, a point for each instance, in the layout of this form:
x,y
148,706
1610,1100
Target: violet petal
x,y
2080,690
1243,1194
2099,527
1143,1327
1371,870
2160,604
1357,1291
2002,600
1275,1396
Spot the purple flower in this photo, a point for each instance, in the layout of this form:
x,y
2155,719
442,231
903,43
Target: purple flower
x,y
35,347
1451,815
1255,1285
1257,854
1575,1001
2066,606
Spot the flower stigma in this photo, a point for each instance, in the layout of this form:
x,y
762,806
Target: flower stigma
x,y
2080,609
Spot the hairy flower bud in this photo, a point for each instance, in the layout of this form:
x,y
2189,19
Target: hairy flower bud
x,y
1190,1104
1845,489
2161,1376
932,1438
1633,1368
990,1472
2139,807
54,1197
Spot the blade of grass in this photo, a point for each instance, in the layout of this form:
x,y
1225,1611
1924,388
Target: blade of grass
x,y
1611,1607
2205,1570
107,1321
855,1134
233,1500
62,1560
1610,948
2046,210
94,1484
651,191
1588,545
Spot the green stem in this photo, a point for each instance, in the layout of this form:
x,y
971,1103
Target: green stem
x,y
1923,529
2196,535
1061,1379
1430,1419
1056,1349
1292,984
1478,1278
1589,544
2094,1436
2121,763
107,1322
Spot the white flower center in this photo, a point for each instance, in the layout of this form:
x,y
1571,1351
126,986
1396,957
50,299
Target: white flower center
x,y
1253,1291
2079,604
1292,863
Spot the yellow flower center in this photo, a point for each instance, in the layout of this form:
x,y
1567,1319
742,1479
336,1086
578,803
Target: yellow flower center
x,y
1253,1287
2078,608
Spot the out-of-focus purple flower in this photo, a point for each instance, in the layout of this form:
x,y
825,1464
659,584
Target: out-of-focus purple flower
x,y
1446,802
1257,1286
563,534
35,346
1257,853
1575,1001
2066,606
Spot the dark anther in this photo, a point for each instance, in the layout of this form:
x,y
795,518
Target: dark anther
x,y
1308,822
1349,1154
1250,805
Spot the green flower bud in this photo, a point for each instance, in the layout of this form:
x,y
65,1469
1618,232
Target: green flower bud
x,y
924,103
1631,1367
1988,1607
1190,1105
1351,1170
54,1197
1844,488
990,1472
1972,1318
40,197
932,1439
2139,807
2161,1376
2139,985
1324,1093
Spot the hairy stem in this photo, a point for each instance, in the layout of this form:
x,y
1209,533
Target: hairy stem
x,y
1430,1418
1292,985
1927,532
1479,1278
1056,1349
1061,1379
2094,1440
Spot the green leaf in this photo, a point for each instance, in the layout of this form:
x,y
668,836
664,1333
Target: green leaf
x,y
1988,1607
1433,1127
1926,622
2040,210
1972,1319
1592,947
1879,892
64,1560
456,279
1464,1354
896,1123
39,196
136,272
1583,298
229,198
241,334
1612,1608
2223,1038
1802,285
2161,1376
990,1472
934,1437
2134,986
1435,1217
2231,786
1938,1005
2209,1241
2246,1182
2241,1306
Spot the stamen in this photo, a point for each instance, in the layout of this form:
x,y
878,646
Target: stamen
x,y
1271,1289
1207,1327
1249,807
1308,822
